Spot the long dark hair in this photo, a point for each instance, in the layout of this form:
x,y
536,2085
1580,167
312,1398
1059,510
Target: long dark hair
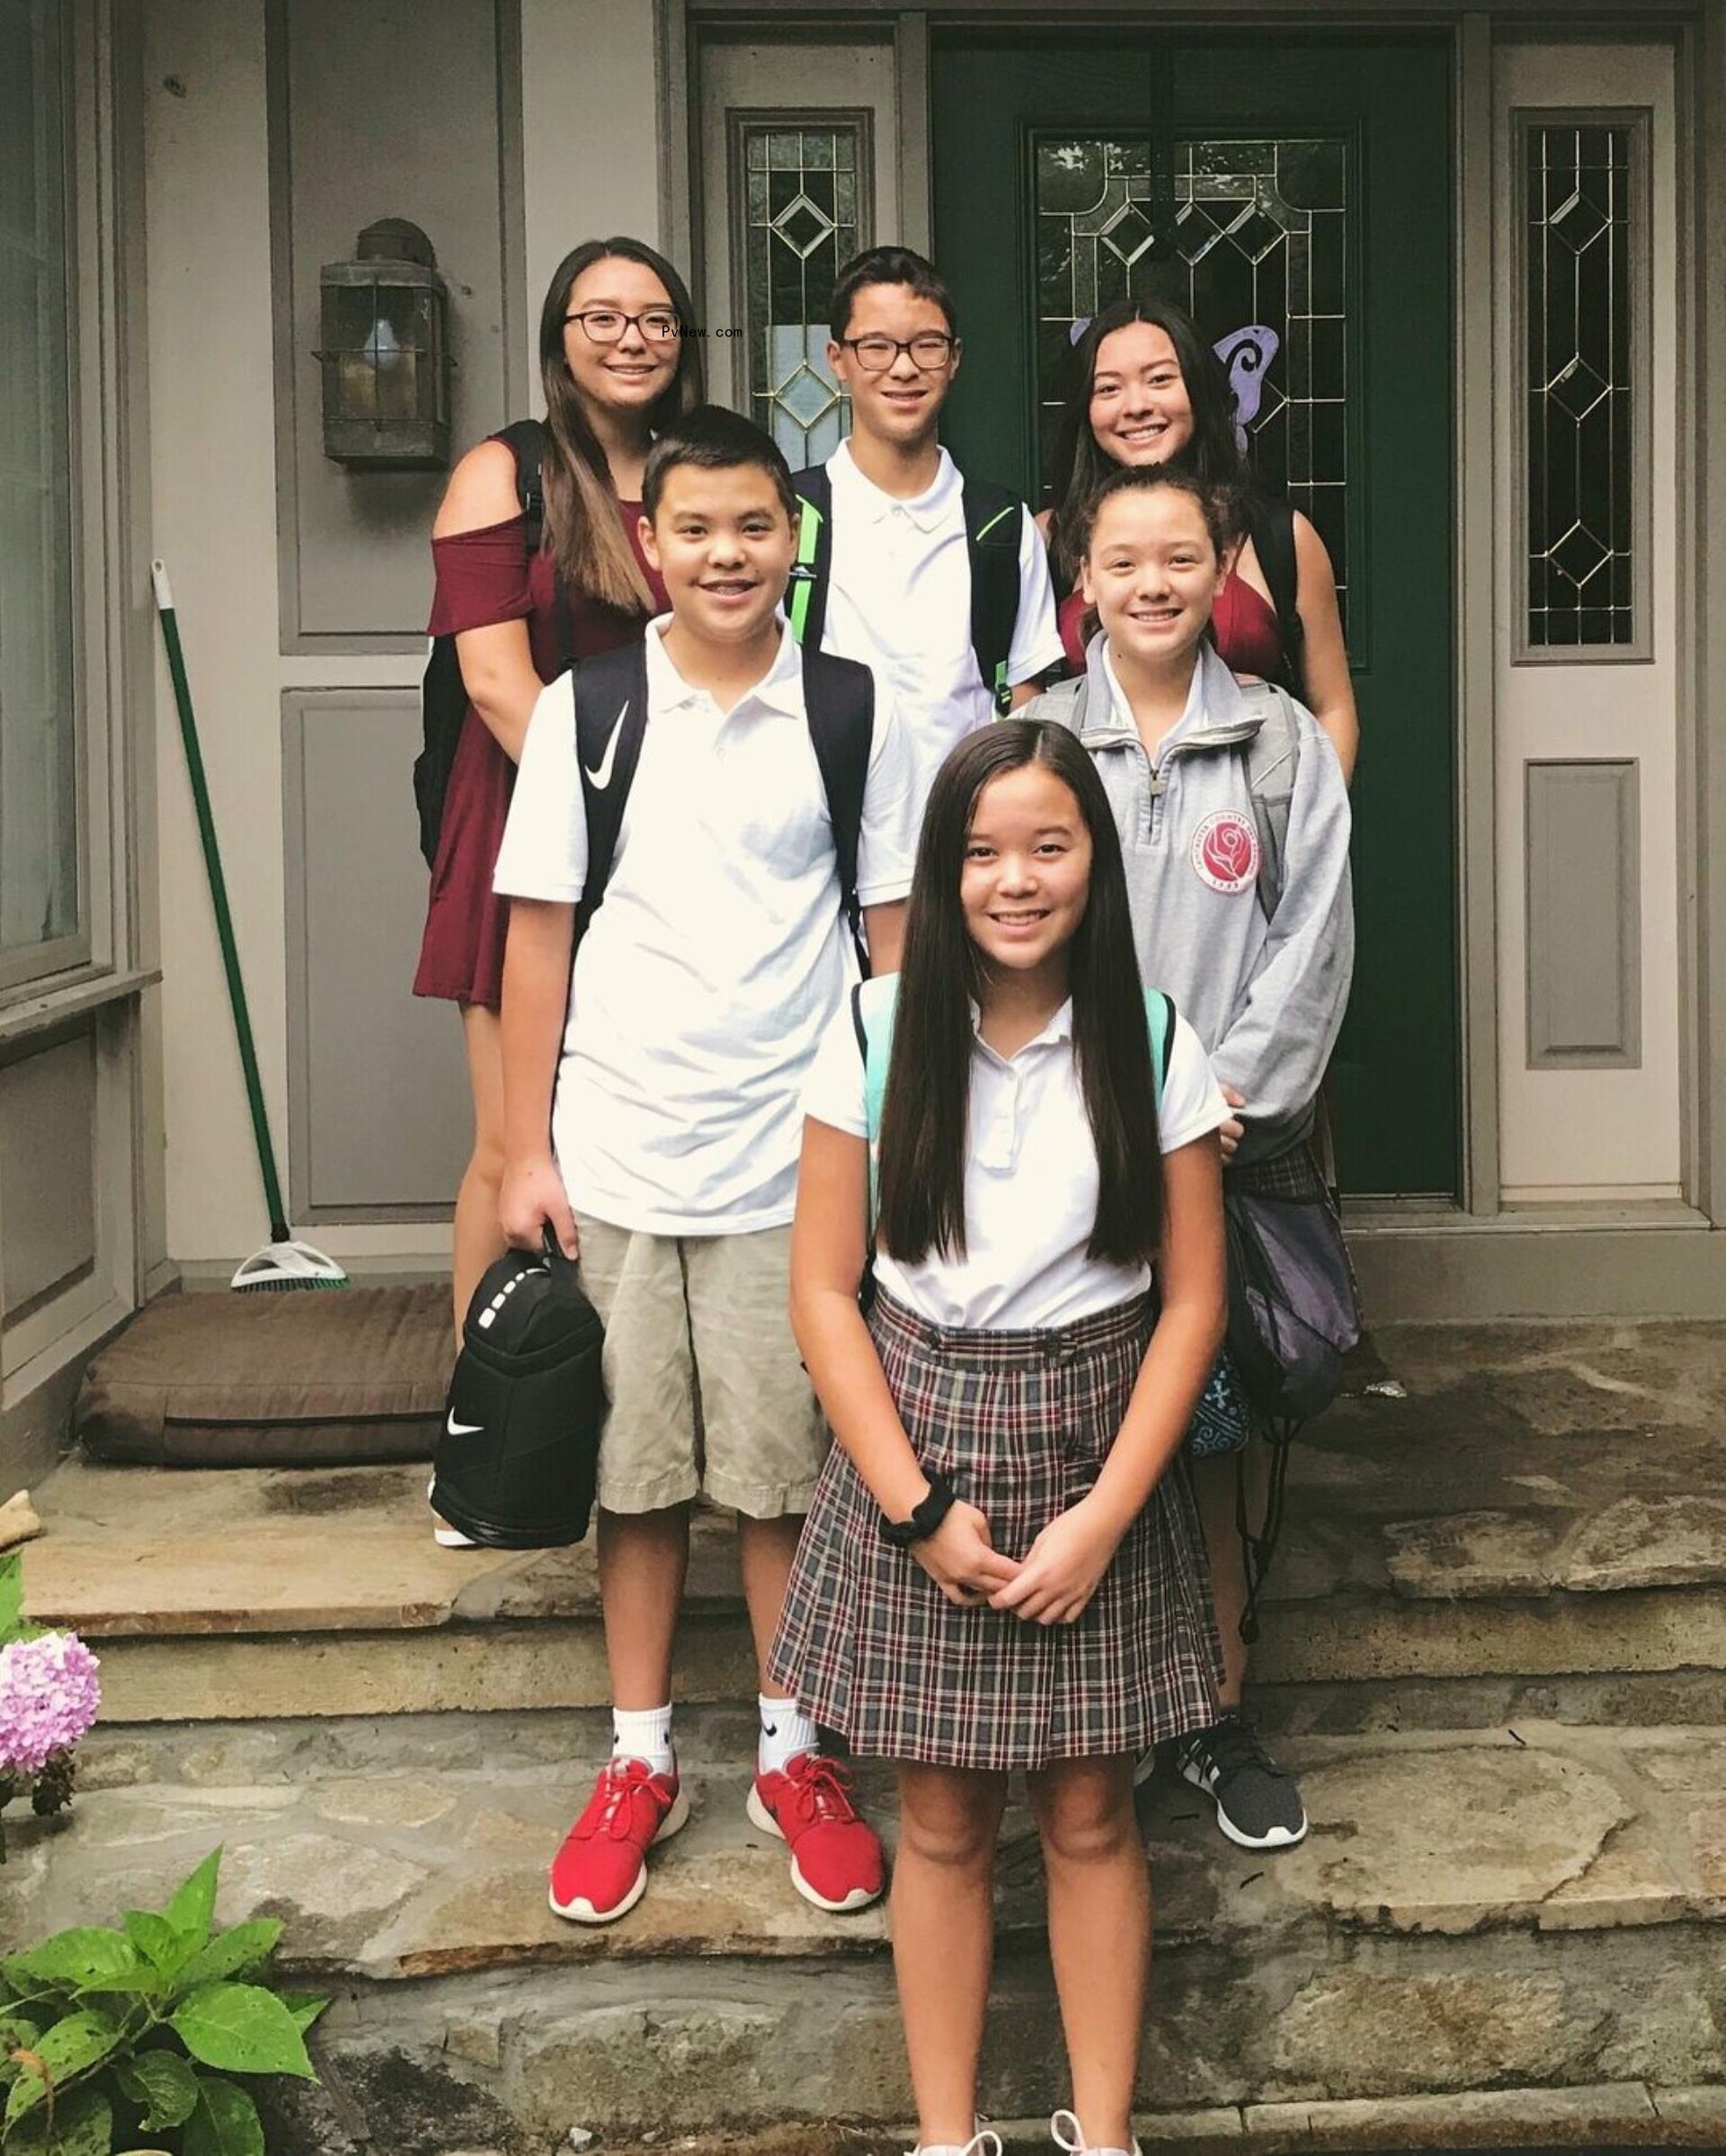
x,y
925,1111
582,532
1213,456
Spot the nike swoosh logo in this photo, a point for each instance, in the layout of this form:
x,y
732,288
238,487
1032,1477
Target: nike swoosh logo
x,y
463,1429
600,778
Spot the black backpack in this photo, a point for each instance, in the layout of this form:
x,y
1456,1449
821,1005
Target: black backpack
x,y
1270,525
610,692
443,695
517,1455
992,518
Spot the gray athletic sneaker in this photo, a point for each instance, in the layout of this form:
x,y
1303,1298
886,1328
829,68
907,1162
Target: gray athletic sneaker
x,y
1258,1804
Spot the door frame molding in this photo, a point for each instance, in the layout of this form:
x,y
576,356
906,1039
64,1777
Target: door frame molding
x,y
1632,1260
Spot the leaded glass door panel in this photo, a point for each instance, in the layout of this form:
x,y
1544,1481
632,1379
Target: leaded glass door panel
x,y
1298,200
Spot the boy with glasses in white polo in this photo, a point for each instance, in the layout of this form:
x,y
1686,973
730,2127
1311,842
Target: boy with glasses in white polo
x,y
939,582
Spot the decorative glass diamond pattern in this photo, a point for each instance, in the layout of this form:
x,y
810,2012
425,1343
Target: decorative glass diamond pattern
x,y
802,225
1580,556
1578,388
1260,241
1128,233
1578,222
800,199
807,396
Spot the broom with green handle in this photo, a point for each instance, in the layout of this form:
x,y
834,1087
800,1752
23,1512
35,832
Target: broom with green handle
x,y
283,1263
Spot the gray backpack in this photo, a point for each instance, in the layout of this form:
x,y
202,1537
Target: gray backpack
x,y
1273,759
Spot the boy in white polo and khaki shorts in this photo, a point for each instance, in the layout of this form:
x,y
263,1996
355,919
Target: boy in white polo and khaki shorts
x,y
653,1098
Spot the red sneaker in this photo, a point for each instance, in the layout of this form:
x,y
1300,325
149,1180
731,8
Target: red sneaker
x,y
836,1861
601,1872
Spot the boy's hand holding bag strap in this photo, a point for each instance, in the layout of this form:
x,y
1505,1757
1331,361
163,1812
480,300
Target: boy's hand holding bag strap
x,y
518,1456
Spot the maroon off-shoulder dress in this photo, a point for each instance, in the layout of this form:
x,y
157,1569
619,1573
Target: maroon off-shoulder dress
x,y
484,577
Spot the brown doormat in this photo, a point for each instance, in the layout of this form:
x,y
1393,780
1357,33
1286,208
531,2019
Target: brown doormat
x,y
212,1380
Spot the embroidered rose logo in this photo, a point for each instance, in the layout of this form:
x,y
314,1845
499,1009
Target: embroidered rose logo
x,y
1225,850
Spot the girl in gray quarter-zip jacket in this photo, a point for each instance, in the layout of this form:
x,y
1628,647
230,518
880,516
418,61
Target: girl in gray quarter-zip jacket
x,y
1234,826
1256,953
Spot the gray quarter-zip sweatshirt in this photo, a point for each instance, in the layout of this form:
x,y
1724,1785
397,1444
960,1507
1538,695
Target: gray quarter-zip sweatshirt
x,y
1265,997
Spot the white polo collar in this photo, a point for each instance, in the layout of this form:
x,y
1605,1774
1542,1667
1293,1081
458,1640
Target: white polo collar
x,y
1213,697
1059,1028
928,511
779,688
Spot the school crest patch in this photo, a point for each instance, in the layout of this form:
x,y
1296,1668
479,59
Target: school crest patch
x,y
1225,851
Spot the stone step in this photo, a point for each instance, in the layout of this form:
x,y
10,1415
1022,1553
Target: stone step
x,y
1499,1521
1473,1911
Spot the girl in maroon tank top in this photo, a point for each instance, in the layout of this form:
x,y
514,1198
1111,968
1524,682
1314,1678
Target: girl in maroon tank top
x,y
1148,389
618,363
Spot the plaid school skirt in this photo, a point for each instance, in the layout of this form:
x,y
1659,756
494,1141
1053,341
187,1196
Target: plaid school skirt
x,y
1020,1424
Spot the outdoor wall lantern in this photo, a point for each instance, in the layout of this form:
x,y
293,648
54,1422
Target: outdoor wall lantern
x,y
386,352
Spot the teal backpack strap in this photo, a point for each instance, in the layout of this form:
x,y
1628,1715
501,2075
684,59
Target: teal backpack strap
x,y
805,590
1160,1022
874,1029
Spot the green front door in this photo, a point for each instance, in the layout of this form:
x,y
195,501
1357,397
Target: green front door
x,y
1302,189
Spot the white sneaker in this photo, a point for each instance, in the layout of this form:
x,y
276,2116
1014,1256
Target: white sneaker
x,y
984,2142
446,1537
1067,2133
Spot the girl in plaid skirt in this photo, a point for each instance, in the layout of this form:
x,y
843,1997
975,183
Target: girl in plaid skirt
x,y
1003,1567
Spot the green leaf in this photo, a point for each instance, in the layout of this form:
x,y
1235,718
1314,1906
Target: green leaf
x,y
81,1958
16,2034
12,1596
242,1951
162,1944
84,2125
304,2006
141,1983
194,1905
242,2029
70,2047
162,2086
224,2123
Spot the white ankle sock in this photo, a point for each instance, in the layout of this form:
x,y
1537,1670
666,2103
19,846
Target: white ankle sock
x,y
644,1734
785,1733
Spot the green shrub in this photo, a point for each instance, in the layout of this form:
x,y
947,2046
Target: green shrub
x,y
110,2036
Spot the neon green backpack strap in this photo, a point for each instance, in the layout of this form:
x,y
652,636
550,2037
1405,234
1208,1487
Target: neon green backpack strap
x,y
805,590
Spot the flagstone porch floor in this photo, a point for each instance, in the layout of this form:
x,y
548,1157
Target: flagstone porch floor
x,y
1495,1648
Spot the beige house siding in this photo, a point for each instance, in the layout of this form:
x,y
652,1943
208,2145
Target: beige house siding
x,y
602,126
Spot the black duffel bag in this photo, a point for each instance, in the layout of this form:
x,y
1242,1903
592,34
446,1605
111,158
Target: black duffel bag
x,y
519,1451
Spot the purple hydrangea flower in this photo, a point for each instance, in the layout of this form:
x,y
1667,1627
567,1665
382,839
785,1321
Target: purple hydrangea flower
x,y
48,1695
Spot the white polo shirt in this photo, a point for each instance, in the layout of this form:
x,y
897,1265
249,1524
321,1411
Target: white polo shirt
x,y
899,598
705,980
1030,1180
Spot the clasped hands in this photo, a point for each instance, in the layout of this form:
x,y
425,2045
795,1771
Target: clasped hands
x,y
1051,1584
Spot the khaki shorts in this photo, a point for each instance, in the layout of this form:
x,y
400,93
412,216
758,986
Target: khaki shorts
x,y
704,1388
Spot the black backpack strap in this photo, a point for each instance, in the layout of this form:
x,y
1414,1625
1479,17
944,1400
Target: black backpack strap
x,y
1165,1047
993,517
1270,523
525,440
611,692
839,697
805,592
